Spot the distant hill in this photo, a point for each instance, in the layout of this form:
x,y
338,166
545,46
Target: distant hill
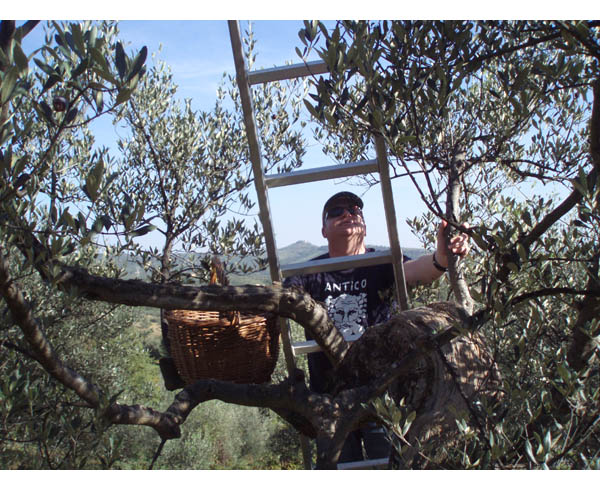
x,y
300,251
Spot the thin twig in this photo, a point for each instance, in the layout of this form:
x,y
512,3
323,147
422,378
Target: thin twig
x,y
157,453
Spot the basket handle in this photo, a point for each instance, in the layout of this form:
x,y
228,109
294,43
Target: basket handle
x,y
234,317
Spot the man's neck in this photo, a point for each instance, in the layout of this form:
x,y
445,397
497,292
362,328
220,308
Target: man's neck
x,y
349,247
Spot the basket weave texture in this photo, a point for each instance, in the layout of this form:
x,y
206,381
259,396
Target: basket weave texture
x,y
225,346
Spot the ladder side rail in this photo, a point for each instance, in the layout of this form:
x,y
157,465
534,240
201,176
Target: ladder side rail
x,y
259,178
261,191
390,216
287,72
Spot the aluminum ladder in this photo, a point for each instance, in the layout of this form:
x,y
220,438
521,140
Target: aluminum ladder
x,y
245,79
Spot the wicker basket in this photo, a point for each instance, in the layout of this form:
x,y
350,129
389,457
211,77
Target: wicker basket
x,y
230,347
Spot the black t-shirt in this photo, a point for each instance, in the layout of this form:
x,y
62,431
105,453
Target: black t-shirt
x,y
355,299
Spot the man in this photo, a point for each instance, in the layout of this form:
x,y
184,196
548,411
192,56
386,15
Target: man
x,y
360,297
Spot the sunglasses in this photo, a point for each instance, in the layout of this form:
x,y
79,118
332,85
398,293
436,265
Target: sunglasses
x,y
339,210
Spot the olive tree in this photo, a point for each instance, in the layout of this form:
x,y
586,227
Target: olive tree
x,y
191,170
48,98
54,251
190,174
483,117
475,107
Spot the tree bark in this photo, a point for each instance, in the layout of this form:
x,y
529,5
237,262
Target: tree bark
x,y
455,271
327,417
290,303
271,300
399,344
582,344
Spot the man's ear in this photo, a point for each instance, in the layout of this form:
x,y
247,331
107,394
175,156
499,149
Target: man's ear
x,y
323,232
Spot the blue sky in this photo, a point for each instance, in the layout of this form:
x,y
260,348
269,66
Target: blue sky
x,y
199,52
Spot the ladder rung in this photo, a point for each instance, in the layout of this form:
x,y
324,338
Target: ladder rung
x,y
287,72
363,465
322,173
309,346
337,263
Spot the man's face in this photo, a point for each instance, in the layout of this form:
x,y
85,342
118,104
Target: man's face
x,y
346,225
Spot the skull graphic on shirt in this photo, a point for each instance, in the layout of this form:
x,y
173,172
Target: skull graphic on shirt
x,y
348,312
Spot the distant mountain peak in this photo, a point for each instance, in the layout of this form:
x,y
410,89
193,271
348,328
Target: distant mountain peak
x,y
300,243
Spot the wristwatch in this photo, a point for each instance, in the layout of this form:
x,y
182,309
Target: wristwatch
x,y
438,266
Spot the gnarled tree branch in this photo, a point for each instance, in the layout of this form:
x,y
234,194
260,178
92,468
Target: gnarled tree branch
x,y
582,343
270,300
327,417
290,303
456,272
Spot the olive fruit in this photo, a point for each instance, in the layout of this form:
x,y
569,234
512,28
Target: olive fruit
x,y
59,104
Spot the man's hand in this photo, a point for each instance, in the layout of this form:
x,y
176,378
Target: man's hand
x,y
459,244
423,270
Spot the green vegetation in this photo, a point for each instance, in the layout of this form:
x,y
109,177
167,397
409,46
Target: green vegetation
x,y
43,424
481,116
484,117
